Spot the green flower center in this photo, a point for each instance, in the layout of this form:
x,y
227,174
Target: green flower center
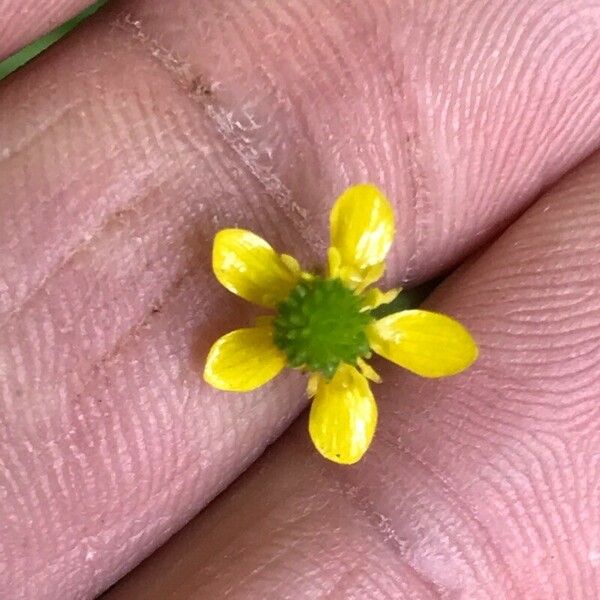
x,y
319,325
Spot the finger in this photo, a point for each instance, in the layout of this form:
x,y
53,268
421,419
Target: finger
x,y
480,486
124,165
22,21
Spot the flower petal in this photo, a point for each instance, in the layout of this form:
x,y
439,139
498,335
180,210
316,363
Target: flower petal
x,y
368,371
343,416
247,266
362,227
374,297
292,264
366,277
427,343
312,385
334,262
243,360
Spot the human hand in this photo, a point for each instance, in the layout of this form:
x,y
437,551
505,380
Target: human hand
x,y
130,143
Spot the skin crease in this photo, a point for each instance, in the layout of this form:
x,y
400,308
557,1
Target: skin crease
x,y
130,143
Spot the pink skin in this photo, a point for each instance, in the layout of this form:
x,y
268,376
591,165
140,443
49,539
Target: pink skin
x,y
22,21
130,143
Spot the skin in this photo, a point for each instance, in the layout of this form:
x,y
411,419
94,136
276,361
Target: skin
x,y
130,143
25,20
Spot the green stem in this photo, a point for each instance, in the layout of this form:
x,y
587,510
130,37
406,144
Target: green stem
x,y
19,58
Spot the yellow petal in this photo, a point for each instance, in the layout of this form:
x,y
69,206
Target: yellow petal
x,y
368,276
427,343
292,264
374,297
312,385
368,371
343,416
243,360
247,266
362,227
334,262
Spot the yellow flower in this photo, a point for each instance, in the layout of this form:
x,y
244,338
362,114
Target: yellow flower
x,y
323,324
